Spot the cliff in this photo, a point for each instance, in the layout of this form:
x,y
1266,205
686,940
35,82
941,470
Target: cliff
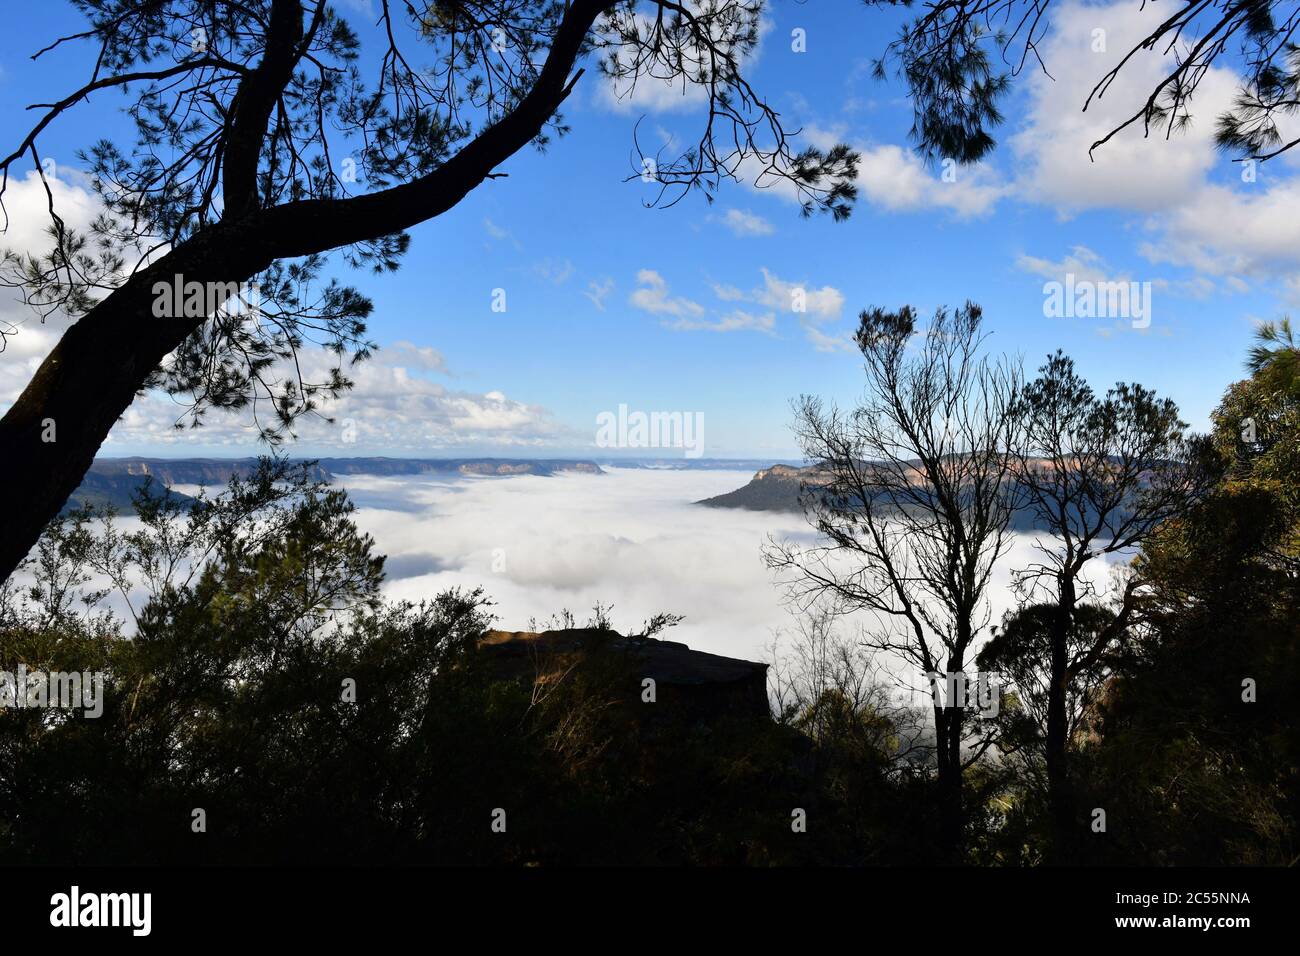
x,y
771,489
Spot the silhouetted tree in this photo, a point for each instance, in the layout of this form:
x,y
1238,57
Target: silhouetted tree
x,y
914,506
1100,475
1198,755
1020,651
950,56
1020,654
258,675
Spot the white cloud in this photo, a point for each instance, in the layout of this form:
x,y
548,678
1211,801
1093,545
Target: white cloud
x,y
423,357
629,538
23,353
798,297
364,7
1082,263
554,271
736,320
1087,266
823,342
28,340
498,233
1195,217
597,292
744,223
1058,134
650,95
895,179
775,296
1224,231
394,406
653,297
728,293
27,206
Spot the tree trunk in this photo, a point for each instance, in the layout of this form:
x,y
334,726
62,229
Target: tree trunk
x,y
103,361
1059,796
50,436
952,819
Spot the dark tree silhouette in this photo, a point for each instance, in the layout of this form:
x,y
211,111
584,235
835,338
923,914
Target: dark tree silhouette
x,y
959,57
1101,474
1020,653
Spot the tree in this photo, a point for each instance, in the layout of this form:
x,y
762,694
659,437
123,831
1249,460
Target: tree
x,y
246,664
947,56
1020,653
1274,359
1020,650
1100,474
1198,752
827,684
915,506
251,118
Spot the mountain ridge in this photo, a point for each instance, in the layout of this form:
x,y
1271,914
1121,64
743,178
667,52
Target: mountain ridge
x,y
777,488
114,481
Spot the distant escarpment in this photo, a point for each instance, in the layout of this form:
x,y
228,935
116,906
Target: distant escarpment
x,y
500,467
114,481
209,472
771,489
116,490
779,488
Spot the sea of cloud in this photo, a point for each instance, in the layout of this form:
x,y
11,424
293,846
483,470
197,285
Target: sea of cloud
x,y
631,538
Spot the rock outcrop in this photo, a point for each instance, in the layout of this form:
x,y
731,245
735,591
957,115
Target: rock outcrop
x,y
771,489
687,681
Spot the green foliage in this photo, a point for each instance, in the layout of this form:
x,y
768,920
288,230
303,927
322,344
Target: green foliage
x,y
1274,360
1193,771
1020,653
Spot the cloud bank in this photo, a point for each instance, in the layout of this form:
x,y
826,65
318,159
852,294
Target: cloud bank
x,y
630,538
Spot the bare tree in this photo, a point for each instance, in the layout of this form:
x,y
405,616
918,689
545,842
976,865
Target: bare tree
x,y
817,673
913,505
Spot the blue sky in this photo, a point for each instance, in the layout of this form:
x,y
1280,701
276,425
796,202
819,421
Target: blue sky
x,y
611,303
